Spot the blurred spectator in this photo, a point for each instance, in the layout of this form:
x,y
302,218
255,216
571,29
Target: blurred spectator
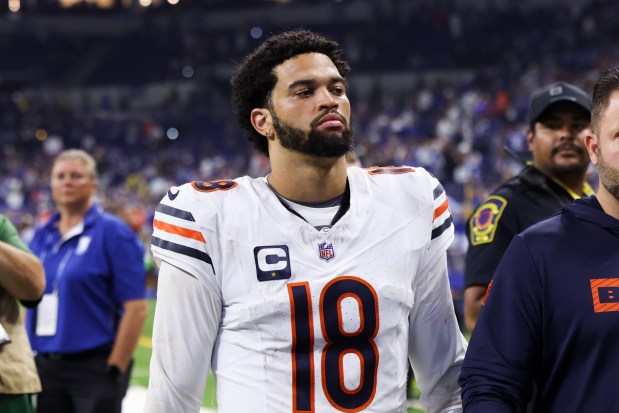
x,y
89,321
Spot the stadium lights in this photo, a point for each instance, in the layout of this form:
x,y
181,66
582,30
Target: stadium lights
x,y
172,133
256,32
103,4
187,72
68,3
40,134
15,5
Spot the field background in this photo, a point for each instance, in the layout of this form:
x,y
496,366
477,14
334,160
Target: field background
x,y
140,373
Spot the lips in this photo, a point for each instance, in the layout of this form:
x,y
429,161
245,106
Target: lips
x,y
567,148
332,120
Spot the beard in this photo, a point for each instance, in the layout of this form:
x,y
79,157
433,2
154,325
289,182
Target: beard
x,y
315,143
575,169
609,176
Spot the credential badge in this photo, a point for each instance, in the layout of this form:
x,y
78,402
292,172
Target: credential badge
x,y
326,251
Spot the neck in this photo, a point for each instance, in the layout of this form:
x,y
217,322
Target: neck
x,y
305,178
72,215
574,183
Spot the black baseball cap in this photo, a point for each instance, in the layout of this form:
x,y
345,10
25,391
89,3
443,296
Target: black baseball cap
x,y
557,92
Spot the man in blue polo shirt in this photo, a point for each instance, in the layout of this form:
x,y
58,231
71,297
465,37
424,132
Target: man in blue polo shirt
x,y
89,321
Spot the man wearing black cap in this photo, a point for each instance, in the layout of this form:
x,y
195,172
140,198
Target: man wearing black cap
x,y
546,340
559,119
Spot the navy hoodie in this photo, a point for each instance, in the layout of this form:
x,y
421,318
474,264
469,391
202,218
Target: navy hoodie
x,y
547,338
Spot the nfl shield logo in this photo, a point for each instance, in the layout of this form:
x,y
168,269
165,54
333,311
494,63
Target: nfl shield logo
x,y
326,251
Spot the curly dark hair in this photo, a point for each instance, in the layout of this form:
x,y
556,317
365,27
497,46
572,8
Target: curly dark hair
x,y
254,79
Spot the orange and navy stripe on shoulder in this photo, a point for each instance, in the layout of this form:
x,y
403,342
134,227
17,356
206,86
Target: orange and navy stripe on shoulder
x,y
175,212
175,229
436,232
438,191
178,230
440,211
182,249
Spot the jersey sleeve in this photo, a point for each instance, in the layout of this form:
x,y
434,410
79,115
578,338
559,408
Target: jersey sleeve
x,y
187,319
188,310
436,345
497,374
177,235
442,223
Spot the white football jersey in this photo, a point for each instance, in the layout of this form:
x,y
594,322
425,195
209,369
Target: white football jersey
x,y
292,319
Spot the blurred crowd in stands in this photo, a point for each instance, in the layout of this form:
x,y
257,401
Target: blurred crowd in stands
x,y
437,85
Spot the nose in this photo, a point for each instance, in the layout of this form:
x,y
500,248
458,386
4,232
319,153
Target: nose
x,y
566,131
327,100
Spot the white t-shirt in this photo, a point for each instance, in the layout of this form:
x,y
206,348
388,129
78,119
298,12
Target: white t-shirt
x,y
293,319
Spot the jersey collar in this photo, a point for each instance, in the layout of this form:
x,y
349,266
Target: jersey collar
x,y
344,205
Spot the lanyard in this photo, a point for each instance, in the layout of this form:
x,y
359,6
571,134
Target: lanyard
x,y
74,232
586,189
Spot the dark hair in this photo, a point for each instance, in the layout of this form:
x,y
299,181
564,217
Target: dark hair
x,y
254,79
604,87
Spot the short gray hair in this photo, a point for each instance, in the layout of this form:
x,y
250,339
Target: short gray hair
x,y
91,164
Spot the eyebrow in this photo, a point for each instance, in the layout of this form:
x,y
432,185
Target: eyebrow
x,y
311,82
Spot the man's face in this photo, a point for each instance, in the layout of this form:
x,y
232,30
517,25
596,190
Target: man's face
x,y
557,140
607,153
309,107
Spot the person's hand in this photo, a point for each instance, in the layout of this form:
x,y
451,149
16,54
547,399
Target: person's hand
x,y
114,372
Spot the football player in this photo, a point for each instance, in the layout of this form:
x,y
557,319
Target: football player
x,y
310,289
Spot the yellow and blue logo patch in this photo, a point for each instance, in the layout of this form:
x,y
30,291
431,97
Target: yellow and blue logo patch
x,y
484,222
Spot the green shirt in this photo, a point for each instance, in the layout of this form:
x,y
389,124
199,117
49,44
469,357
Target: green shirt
x,y
18,374
9,234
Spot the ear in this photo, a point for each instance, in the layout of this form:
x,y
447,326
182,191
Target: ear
x,y
592,144
530,138
261,121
